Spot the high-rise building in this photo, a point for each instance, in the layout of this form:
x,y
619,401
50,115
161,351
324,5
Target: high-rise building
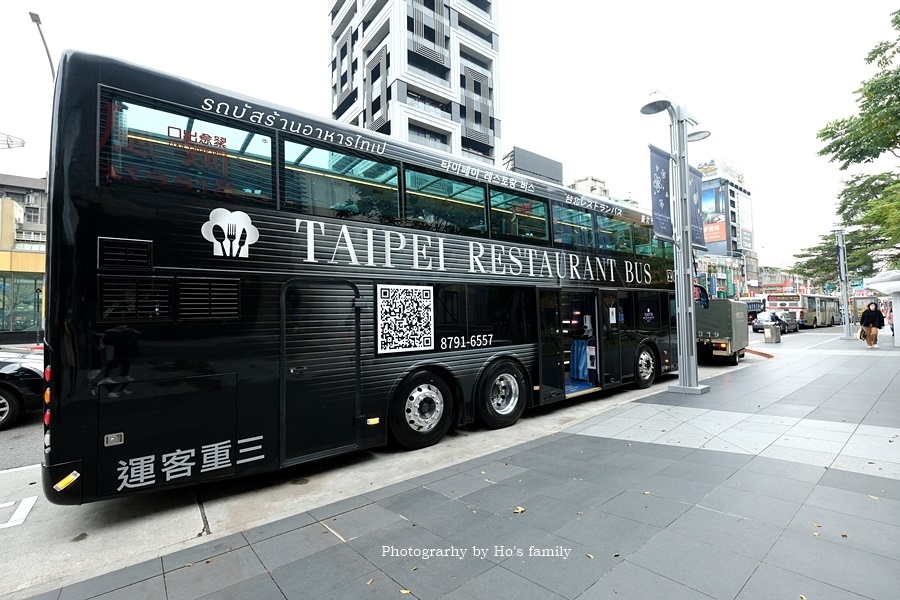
x,y
424,71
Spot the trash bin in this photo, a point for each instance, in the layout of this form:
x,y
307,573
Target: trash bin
x,y
772,333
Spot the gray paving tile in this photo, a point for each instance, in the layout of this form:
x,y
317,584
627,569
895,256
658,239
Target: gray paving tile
x,y
705,472
610,534
538,461
784,468
633,582
674,488
770,485
448,518
434,578
741,536
372,586
583,494
706,568
496,471
842,415
645,508
51,595
614,478
867,574
865,484
201,552
96,586
751,505
501,584
547,514
658,450
533,481
293,545
560,565
786,410
772,583
336,508
211,575
459,484
867,506
500,498
496,531
260,587
149,589
361,521
390,490
320,573
278,527
847,530
414,503
722,459
384,545
427,478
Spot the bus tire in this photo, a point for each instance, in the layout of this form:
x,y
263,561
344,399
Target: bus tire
x,y
421,411
501,394
644,367
10,407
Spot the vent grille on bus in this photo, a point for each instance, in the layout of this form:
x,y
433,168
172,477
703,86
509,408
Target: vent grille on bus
x,y
134,298
125,254
209,299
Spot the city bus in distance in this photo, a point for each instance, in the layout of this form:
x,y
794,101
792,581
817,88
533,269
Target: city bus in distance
x,y
235,288
755,305
813,310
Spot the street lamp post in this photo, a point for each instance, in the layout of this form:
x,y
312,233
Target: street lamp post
x,y
36,19
684,268
39,313
845,280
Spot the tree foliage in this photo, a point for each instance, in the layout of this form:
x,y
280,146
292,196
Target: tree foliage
x,y
868,205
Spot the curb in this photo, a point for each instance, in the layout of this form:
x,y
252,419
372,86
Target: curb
x,y
758,353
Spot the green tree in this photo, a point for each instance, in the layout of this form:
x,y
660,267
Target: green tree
x,y
869,205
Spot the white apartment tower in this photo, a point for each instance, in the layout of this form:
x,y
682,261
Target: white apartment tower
x,y
424,71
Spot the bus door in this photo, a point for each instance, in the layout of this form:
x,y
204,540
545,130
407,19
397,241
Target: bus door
x,y
553,379
609,339
320,369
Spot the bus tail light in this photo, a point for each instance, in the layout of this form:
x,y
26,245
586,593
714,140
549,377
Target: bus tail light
x,y
47,373
47,417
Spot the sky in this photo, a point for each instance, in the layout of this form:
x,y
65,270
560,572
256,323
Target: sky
x,y
762,77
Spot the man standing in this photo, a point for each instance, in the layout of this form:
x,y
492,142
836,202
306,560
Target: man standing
x,y
872,321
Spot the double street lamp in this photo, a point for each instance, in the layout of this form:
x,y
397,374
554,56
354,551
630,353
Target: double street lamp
x,y
845,281
684,267
36,19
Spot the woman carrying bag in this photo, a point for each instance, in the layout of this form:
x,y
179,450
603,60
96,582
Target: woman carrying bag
x,y
871,320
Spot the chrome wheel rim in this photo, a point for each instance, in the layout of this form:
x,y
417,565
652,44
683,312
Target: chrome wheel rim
x,y
646,365
505,394
4,409
424,407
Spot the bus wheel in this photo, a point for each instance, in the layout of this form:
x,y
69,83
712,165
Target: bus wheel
x,y
9,408
422,411
644,368
501,394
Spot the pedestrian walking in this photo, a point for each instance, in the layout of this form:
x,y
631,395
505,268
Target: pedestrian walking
x,y
891,321
871,321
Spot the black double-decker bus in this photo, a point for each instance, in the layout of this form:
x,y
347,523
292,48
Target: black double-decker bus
x,y
235,287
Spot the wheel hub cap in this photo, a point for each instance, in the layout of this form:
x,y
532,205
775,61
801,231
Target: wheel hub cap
x,y
424,407
505,394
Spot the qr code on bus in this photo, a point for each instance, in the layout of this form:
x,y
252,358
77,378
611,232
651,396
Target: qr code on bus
x,y
405,318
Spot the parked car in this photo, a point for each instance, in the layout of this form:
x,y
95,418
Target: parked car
x,y
21,384
786,320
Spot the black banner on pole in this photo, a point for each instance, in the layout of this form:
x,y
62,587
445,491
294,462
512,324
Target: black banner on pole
x,y
695,181
660,193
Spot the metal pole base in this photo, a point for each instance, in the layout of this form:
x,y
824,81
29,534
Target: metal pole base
x,y
689,389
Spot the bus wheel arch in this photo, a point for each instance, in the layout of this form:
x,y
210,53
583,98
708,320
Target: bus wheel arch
x,y
422,408
501,393
646,365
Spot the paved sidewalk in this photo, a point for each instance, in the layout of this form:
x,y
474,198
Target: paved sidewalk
x,y
782,482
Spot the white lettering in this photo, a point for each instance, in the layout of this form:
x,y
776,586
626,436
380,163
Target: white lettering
x,y
311,238
476,258
344,234
516,268
426,242
573,266
387,246
497,253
